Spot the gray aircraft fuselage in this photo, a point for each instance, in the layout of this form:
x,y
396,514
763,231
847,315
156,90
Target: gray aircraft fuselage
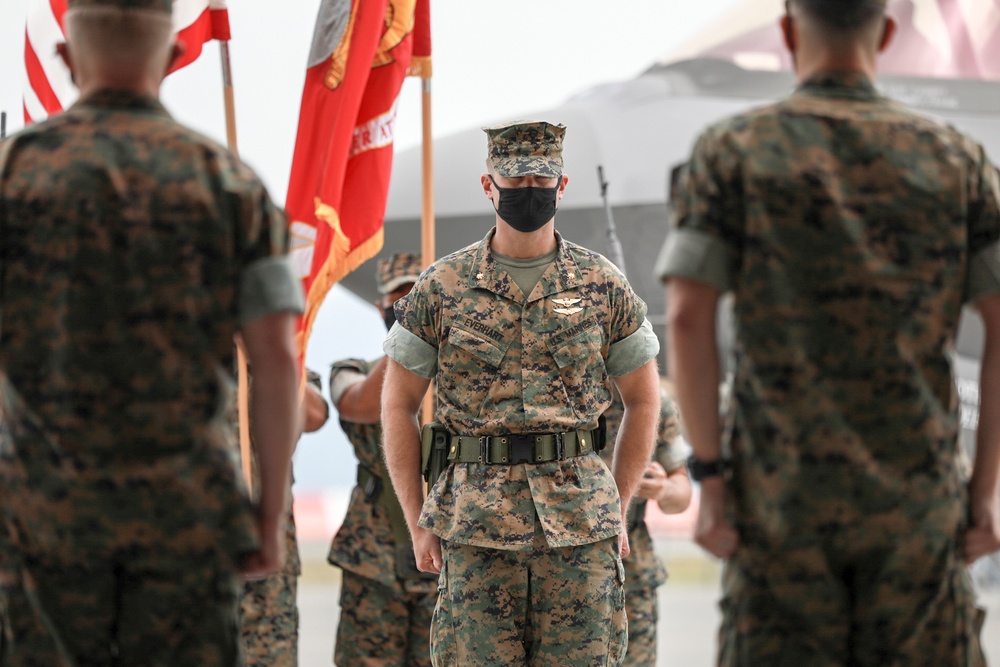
x,y
637,130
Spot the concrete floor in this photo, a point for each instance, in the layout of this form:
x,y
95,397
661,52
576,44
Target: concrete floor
x,y
689,615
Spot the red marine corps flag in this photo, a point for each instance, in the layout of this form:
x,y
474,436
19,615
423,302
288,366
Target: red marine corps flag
x,y
49,89
361,52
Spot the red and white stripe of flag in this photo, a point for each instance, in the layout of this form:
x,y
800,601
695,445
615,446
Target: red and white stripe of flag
x,y
48,88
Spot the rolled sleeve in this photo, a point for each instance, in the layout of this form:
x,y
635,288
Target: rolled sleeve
x,y
342,380
313,378
698,256
984,273
268,286
411,352
674,455
633,351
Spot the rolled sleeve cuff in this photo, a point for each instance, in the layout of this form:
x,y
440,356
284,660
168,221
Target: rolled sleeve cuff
x,y
984,273
698,256
313,378
676,455
341,381
269,286
633,351
411,352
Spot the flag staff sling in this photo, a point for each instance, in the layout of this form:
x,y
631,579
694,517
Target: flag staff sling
x,y
242,376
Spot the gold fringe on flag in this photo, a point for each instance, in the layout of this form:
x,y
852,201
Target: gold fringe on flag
x,y
341,261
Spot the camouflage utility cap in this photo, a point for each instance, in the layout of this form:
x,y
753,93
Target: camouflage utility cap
x,y
525,148
156,5
400,269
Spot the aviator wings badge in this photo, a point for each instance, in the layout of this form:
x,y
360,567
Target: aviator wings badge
x,y
566,309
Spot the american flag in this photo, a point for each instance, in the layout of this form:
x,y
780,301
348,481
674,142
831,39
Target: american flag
x,y
48,89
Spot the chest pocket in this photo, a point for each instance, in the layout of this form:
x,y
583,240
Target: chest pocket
x,y
485,349
583,371
469,366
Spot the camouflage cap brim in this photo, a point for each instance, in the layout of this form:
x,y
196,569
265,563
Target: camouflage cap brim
x,y
398,282
400,269
537,166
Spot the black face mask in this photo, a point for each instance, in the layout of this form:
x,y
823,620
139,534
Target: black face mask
x,y
389,317
527,209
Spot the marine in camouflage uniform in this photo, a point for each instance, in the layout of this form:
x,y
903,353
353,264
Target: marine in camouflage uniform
x,y
522,353
644,571
132,250
851,231
269,611
385,602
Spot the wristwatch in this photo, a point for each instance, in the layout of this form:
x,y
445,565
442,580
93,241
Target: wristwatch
x,y
701,469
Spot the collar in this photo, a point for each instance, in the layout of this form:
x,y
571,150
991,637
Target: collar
x,y
123,100
840,84
563,274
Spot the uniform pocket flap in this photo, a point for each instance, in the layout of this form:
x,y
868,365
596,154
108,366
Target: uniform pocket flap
x,y
579,349
482,346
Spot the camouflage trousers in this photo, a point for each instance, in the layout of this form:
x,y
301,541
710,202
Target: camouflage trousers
x,y
138,612
899,597
642,613
270,621
269,612
542,606
384,626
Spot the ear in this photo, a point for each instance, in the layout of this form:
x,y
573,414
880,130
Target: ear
x,y
487,185
788,32
563,180
888,32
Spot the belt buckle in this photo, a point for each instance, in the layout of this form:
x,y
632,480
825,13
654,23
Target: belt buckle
x,y
484,449
522,448
560,446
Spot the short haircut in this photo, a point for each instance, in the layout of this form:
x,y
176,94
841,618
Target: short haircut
x,y
131,39
844,16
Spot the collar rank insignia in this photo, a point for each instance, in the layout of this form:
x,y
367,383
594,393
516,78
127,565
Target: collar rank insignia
x,y
566,302
566,311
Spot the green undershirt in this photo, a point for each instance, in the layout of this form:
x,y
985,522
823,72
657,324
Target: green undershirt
x,y
526,272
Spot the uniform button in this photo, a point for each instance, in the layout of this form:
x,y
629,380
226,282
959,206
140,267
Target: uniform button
x,y
571,276
479,276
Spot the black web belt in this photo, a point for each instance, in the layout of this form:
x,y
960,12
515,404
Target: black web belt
x,y
514,448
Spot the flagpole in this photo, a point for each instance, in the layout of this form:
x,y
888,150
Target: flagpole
x,y
427,226
242,374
